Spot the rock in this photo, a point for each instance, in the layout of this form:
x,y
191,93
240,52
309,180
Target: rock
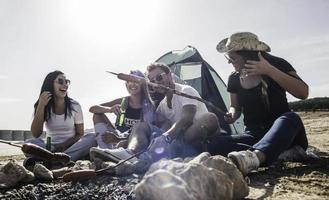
x,y
41,172
12,173
29,177
60,172
203,182
163,185
220,163
6,181
83,164
98,163
207,183
169,165
200,158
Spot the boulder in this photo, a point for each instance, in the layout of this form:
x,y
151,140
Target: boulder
x,y
12,173
42,173
221,163
163,185
200,158
83,164
202,182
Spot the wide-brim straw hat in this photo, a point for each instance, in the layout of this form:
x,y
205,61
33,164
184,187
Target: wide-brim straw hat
x,y
242,41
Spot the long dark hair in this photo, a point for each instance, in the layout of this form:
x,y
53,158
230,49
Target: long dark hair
x,y
48,85
148,108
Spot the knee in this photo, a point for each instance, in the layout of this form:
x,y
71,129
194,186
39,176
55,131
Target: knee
x,y
98,118
90,136
34,141
293,117
211,121
140,127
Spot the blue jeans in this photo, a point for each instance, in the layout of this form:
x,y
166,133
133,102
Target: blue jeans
x,y
179,148
287,131
78,150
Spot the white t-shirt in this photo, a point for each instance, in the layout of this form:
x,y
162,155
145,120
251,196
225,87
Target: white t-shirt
x,y
59,129
174,114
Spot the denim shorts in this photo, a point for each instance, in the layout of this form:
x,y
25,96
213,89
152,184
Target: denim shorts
x,y
178,147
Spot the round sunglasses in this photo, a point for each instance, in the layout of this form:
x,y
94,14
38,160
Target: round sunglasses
x,y
62,81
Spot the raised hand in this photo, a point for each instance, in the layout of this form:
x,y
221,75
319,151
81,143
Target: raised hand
x,y
44,98
261,67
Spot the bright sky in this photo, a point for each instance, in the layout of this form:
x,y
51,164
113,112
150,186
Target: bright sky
x,y
85,38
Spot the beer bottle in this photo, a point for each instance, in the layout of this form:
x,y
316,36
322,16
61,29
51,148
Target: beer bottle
x,y
48,144
121,118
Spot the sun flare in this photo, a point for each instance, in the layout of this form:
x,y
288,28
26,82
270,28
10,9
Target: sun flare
x,y
111,22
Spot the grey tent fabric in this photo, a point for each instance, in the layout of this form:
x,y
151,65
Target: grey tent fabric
x,y
189,66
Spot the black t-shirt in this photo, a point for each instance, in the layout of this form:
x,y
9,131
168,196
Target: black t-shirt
x,y
258,117
132,116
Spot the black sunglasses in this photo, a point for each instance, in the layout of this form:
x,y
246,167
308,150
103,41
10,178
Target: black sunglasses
x,y
158,77
63,81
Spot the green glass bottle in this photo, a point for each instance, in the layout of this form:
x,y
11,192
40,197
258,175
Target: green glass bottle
x,y
121,117
48,144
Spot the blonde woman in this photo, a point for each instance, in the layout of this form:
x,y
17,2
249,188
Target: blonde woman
x,y
137,107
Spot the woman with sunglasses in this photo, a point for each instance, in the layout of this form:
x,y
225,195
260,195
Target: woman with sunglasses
x,y
258,89
62,117
128,110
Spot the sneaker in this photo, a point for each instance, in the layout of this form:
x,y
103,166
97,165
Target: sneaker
x,y
114,155
246,161
294,154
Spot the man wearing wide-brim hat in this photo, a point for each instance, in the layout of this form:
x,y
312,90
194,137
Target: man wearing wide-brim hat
x,y
258,89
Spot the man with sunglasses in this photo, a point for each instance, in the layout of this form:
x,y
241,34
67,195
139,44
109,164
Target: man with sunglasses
x,y
182,123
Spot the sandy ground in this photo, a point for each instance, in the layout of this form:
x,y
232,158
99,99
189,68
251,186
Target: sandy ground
x,y
7,150
307,180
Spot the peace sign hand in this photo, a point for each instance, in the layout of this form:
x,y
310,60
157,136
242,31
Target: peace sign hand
x,y
261,67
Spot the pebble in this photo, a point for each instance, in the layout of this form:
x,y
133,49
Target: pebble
x,y
100,188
